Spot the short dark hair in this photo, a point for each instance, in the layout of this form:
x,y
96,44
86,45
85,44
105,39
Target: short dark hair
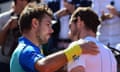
x,y
90,18
31,11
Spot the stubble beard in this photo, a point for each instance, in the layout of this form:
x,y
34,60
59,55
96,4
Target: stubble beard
x,y
41,40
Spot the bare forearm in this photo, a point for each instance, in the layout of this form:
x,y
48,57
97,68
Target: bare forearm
x,y
52,62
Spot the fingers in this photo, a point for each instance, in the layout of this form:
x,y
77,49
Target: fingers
x,y
92,48
92,44
62,12
89,48
92,51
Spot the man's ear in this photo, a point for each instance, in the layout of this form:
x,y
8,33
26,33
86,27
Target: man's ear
x,y
35,23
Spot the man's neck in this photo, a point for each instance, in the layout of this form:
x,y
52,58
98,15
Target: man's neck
x,y
86,33
32,38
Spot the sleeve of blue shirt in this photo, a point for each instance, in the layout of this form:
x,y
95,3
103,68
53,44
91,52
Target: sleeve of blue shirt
x,y
29,57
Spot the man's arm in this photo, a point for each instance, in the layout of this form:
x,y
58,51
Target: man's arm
x,y
60,13
55,61
52,62
12,23
112,13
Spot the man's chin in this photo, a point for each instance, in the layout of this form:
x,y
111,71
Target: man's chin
x,y
45,42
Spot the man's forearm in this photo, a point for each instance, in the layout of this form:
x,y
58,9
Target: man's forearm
x,y
52,62
3,34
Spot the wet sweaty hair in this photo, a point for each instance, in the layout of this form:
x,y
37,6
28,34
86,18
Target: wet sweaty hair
x,y
88,16
31,11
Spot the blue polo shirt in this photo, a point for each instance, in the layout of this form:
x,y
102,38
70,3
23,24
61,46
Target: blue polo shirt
x,y
25,56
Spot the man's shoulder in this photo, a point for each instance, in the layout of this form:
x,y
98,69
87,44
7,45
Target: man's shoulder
x,y
19,49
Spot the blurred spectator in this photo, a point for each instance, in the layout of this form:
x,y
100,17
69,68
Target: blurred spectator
x,y
62,10
100,5
108,30
9,32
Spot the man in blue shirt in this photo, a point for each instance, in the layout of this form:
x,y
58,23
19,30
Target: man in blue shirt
x,y
35,26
